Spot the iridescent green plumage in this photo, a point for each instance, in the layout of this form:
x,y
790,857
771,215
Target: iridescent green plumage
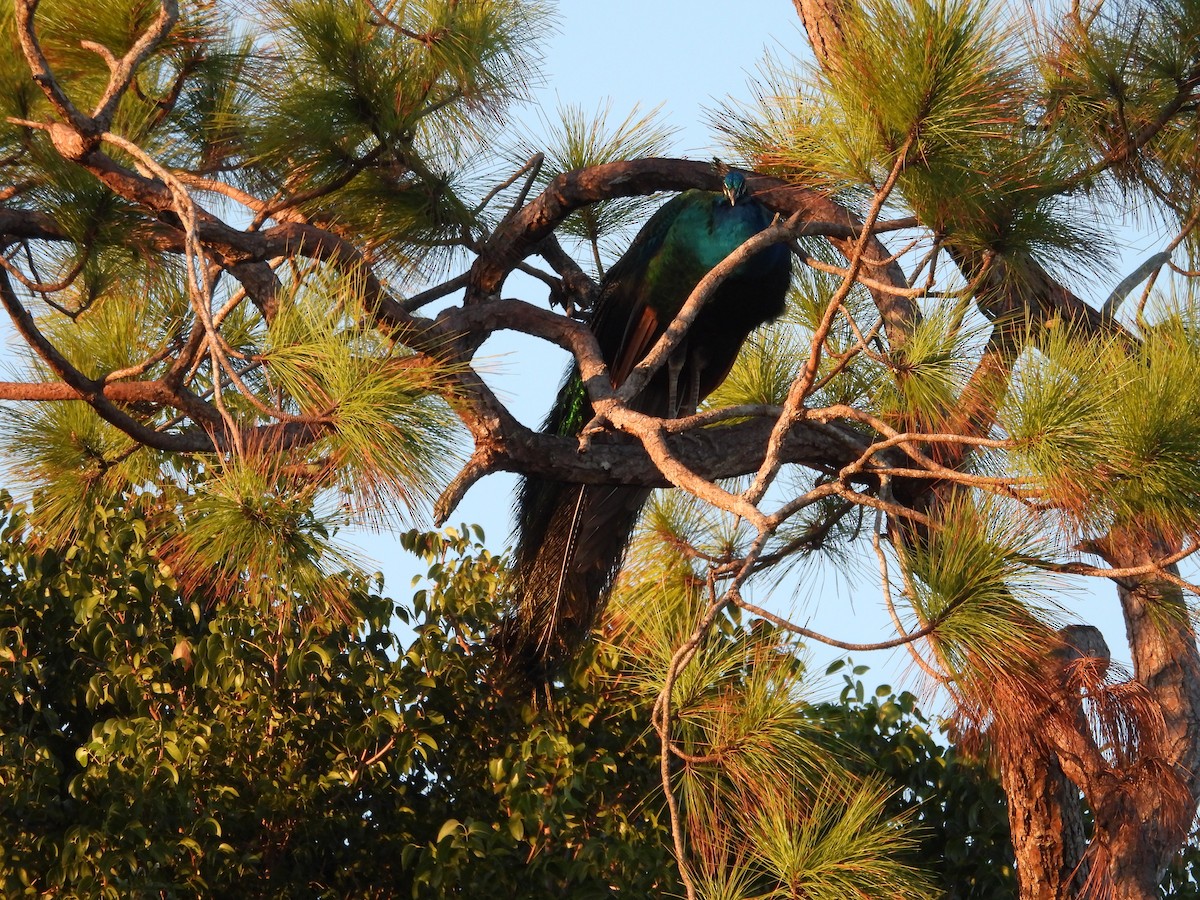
x,y
570,537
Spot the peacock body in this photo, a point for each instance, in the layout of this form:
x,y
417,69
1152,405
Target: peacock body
x,y
571,538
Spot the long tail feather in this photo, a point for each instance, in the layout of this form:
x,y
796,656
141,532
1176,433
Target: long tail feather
x,y
564,572
564,569
572,537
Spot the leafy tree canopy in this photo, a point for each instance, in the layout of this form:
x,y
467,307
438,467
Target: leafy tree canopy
x,y
157,742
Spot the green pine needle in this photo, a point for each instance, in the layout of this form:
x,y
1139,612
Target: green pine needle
x,y
253,531
73,461
391,438
972,578
1109,433
833,845
579,139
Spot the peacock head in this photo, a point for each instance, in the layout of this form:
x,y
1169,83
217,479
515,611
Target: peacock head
x,y
734,187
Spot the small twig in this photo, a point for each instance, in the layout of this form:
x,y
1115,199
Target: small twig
x,y
660,716
39,66
1132,280
140,368
47,287
813,263
477,466
198,279
725,413
378,755
811,539
928,260
890,644
220,187
103,52
122,70
416,301
428,38
885,583
1156,567
906,441
533,165
803,383
706,759
892,509
351,169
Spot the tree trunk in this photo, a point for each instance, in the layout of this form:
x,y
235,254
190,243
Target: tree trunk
x,y
1140,774
1045,818
823,21
1143,817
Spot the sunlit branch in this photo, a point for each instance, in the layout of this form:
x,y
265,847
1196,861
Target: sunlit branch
x,y
811,539
723,414
660,715
416,301
1157,568
353,167
215,186
893,509
39,66
87,389
124,69
843,272
886,587
141,368
852,646
649,431
533,166
907,442
198,279
802,385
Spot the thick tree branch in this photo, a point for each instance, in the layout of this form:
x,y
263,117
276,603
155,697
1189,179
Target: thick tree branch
x,y
518,236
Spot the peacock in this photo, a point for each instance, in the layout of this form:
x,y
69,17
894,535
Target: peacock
x,y
571,538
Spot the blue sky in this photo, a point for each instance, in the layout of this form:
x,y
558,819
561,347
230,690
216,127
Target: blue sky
x,y
688,57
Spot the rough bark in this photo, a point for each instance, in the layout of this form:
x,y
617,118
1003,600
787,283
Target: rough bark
x,y
1047,828
1144,810
823,21
1142,797
1047,825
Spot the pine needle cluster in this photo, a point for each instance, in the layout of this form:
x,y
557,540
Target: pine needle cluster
x,y
769,811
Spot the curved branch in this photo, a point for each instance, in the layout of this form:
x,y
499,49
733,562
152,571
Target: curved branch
x,y
39,66
517,237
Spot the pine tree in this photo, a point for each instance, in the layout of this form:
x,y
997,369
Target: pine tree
x,y
225,239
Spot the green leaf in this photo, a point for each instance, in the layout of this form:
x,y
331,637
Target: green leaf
x,y
449,827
